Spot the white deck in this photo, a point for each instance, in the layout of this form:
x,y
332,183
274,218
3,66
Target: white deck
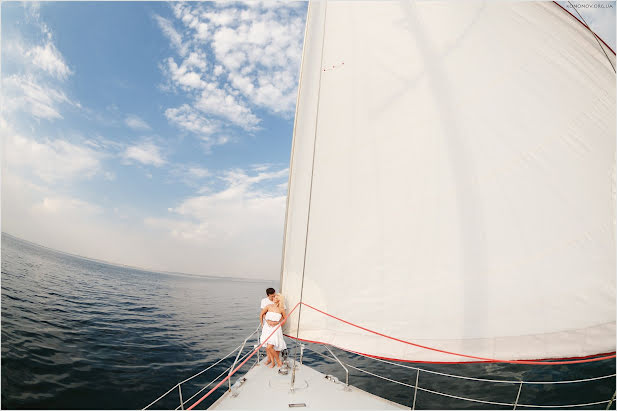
x,y
265,388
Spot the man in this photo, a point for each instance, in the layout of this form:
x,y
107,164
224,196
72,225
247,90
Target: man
x,y
270,293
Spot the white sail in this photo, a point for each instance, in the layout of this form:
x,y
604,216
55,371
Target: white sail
x,y
453,181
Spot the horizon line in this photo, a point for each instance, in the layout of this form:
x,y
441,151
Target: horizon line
x,y
132,266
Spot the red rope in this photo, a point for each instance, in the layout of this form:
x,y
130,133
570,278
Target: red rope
x,y
434,362
243,362
588,28
483,359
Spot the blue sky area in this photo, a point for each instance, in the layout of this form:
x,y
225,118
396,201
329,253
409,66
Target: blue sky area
x,y
156,134
151,134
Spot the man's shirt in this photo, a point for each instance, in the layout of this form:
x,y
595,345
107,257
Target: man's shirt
x,y
265,301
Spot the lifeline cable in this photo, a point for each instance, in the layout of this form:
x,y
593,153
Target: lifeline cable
x,y
399,340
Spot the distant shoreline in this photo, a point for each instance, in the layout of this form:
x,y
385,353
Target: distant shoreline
x,y
209,277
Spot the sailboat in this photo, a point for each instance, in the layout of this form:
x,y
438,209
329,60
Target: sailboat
x,y
452,192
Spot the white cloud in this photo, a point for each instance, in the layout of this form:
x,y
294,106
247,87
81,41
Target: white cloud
x,y
49,59
174,37
260,51
197,60
66,205
208,98
101,143
240,178
184,230
38,68
244,216
136,123
235,59
192,175
184,78
26,93
198,172
51,161
219,103
192,120
33,15
145,153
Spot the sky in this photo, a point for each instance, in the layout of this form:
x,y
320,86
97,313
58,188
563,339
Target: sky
x,y
154,134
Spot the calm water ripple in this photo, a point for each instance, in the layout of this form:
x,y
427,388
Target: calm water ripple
x,y
81,334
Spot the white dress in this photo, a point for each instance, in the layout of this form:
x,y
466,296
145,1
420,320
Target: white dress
x,y
277,338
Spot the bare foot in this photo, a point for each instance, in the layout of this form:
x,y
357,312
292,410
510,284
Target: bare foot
x,y
267,362
271,365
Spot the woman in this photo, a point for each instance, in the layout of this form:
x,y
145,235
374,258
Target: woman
x,y
273,315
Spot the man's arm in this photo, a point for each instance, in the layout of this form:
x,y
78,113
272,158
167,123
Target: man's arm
x,y
261,315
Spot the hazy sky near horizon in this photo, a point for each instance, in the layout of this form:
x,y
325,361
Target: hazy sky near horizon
x,y
154,134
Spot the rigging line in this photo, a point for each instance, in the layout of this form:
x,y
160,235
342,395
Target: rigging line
x,y
529,362
595,36
308,216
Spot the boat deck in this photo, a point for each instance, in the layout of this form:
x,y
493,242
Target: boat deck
x,y
264,388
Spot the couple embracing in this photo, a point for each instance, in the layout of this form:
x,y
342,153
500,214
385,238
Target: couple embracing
x,y
272,314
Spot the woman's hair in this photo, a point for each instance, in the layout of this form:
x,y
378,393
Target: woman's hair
x,y
281,299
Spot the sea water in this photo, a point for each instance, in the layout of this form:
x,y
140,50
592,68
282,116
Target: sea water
x,y
83,334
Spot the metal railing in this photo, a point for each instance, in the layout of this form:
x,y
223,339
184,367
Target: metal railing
x,y
417,386
228,370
